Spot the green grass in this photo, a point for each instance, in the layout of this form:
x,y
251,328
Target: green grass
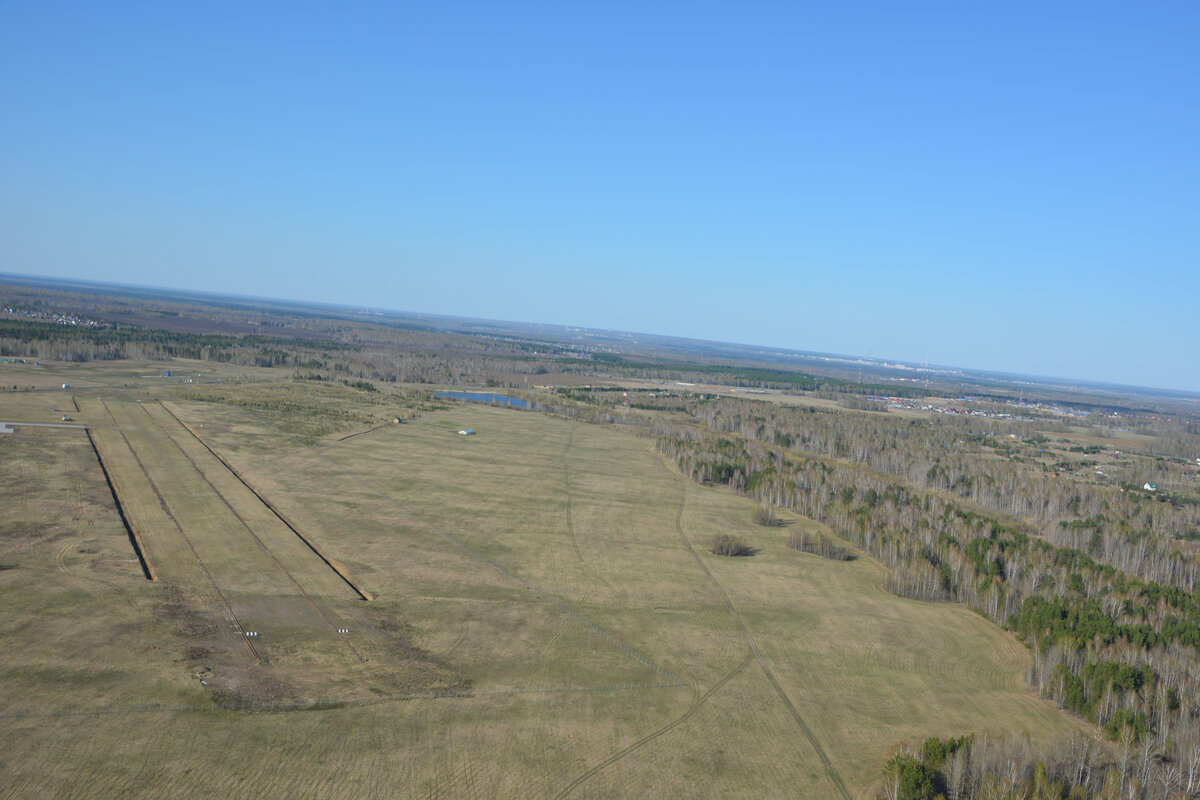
x,y
497,560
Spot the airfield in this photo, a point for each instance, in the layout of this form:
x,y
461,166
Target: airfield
x,y
529,612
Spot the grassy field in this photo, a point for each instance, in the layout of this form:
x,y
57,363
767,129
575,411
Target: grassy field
x,y
553,576
50,375
273,597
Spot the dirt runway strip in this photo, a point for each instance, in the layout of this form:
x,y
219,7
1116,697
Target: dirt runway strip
x,y
202,525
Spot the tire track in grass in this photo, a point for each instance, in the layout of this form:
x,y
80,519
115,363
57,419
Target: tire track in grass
x,y
674,654
464,629
544,660
645,740
567,495
60,555
830,770
587,566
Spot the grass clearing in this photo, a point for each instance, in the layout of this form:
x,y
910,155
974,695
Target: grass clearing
x,y
533,565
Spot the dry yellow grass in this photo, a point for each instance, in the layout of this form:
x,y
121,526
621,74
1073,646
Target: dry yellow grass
x,y
543,562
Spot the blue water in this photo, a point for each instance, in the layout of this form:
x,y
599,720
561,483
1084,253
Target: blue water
x,y
488,398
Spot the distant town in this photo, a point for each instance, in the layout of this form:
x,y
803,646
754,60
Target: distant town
x,y
54,317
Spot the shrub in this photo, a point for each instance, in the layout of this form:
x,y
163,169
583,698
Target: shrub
x,y
765,516
725,544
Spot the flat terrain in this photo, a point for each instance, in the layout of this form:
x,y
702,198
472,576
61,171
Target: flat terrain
x,y
49,376
201,527
546,622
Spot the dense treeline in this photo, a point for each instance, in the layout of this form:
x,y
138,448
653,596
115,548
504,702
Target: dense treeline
x,y
965,457
388,355
47,341
750,376
943,549
1079,767
819,545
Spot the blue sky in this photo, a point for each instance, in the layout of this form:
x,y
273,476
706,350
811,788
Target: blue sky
x,y
1009,186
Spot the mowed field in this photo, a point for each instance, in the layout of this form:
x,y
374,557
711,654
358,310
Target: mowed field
x,y
546,622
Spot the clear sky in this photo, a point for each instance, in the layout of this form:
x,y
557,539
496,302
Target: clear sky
x,y
1011,185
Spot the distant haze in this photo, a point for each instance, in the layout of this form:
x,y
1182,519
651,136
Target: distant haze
x,y
1011,187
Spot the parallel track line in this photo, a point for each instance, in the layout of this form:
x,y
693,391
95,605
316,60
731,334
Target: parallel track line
x,y
204,567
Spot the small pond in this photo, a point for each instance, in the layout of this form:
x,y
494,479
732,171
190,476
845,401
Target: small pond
x,y
488,398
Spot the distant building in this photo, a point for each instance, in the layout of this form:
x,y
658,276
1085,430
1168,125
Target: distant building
x,y
1151,487
467,432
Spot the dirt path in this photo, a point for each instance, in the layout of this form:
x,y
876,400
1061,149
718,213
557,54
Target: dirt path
x,y
363,433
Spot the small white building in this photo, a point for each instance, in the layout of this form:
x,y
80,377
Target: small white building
x,y
467,432
1151,487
